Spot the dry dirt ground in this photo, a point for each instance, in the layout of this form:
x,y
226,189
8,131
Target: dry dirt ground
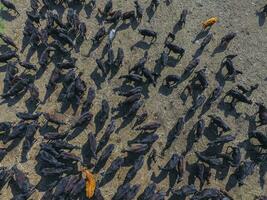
x,y
161,103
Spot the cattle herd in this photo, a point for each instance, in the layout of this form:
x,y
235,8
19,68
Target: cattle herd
x,y
74,174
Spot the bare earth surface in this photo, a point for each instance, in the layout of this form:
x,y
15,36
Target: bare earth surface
x,y
162,104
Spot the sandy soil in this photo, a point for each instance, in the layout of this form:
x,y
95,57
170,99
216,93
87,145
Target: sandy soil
x,y
162,104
